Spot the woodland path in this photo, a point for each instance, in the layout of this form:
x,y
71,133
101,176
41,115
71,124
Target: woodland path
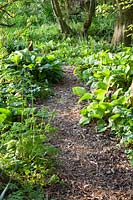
x,y
92,166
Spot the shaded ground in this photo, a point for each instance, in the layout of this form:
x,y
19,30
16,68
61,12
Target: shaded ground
x,y
92,166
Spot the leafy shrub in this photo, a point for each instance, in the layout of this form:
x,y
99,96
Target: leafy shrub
x,y
27,74
41,67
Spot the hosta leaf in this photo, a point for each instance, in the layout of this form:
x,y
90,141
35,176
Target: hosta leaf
x,y
117,92
130,122
100,94
2,117
84,111
5,111
104,106
97,75
122,100
97,115
101,125
86,74
79,91
107,72
86,96
102,85
84,120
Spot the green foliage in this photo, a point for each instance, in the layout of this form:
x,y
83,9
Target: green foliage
x,y
25,146
25,75
27,159
41,67
108,76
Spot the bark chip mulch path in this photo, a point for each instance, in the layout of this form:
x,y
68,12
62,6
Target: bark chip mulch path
x,y
92,166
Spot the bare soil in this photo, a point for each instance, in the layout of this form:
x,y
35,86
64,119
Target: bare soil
x,y
91,166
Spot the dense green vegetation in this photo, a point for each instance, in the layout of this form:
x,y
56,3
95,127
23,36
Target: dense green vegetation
x,y
27,159
108,76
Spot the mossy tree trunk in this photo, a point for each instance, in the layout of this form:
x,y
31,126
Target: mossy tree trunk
x,y
122,33
58,13
90,12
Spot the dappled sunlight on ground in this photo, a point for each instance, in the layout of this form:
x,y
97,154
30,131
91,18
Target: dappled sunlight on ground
x,y
92,166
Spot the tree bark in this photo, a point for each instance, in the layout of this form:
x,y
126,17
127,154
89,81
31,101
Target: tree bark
x,y
122,33
90,9
57,10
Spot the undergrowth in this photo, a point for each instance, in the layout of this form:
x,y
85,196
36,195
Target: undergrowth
x,y
27,159
108,77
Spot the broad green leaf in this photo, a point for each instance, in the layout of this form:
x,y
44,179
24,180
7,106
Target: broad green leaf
x,y
2,117
79,91
102,85
97,75
107,72
84,120
92,106
17,57
117,92
5,111
100,94
39,59
96,115
84,111
30,66
122,100
130,122
86,74
113,117
101,125
86,96
104,106
46,66
50,57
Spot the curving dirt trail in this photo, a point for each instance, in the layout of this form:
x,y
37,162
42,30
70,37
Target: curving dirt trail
x,y
92,166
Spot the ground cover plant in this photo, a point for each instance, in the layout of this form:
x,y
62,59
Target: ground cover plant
x,y
108,77
27,159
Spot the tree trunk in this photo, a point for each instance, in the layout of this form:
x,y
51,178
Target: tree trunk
x,y
90,9
64,27
122,33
